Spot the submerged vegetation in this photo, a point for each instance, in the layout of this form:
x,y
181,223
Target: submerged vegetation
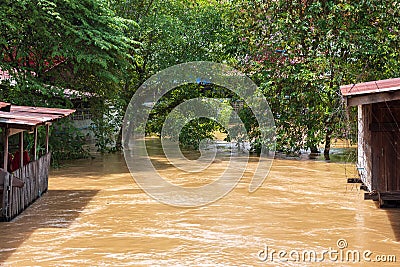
x,y
297,52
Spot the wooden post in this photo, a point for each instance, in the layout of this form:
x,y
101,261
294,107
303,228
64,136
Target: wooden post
x,y
5,160
5,200
47,137
21,149
8,184
35,131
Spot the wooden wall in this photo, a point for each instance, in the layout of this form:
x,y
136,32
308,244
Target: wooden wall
x,y
385,146
35,175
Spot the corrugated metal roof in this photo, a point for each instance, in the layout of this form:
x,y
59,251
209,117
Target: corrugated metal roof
x,y
25,117
371,87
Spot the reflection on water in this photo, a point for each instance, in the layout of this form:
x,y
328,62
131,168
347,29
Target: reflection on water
x,y
339,155
94,214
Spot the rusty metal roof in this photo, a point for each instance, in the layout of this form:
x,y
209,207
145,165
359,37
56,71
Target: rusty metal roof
x,y
25,117
371,87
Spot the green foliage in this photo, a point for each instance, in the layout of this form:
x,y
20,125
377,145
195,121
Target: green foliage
x,y
197,130
252,128
300,52
69,44
53,41
50,45
107,121
66,142
173,32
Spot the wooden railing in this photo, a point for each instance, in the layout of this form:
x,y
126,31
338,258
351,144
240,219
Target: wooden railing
x,y
35,175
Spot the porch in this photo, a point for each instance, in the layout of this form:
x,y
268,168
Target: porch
x,y
24,180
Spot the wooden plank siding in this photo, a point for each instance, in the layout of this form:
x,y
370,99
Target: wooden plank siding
x,y
35,175
364,164
386,146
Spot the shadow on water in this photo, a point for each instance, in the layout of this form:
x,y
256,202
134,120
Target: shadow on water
x,y
56,209
110,164
394,219
154,148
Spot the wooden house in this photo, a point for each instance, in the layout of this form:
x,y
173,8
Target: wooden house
x,y
28,179
378,162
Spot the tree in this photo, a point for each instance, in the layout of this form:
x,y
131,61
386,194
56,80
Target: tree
x,y
301,51
68,44
173,32
50,45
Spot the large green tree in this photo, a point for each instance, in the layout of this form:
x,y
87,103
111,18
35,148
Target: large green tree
x,y
173,32
67,44
299,52
48,46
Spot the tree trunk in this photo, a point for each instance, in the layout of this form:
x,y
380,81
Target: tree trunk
x,y
118,142
327,144
314,149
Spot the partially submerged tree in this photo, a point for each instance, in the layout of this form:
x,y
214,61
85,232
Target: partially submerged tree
x,y
174,32
301,51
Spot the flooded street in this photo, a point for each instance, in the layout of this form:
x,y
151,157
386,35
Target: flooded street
x,y
95,215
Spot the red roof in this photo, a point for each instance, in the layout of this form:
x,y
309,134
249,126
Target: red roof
x,y
25,117
371,87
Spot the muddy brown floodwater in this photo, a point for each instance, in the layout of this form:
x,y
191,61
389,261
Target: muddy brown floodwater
x,y
95,215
